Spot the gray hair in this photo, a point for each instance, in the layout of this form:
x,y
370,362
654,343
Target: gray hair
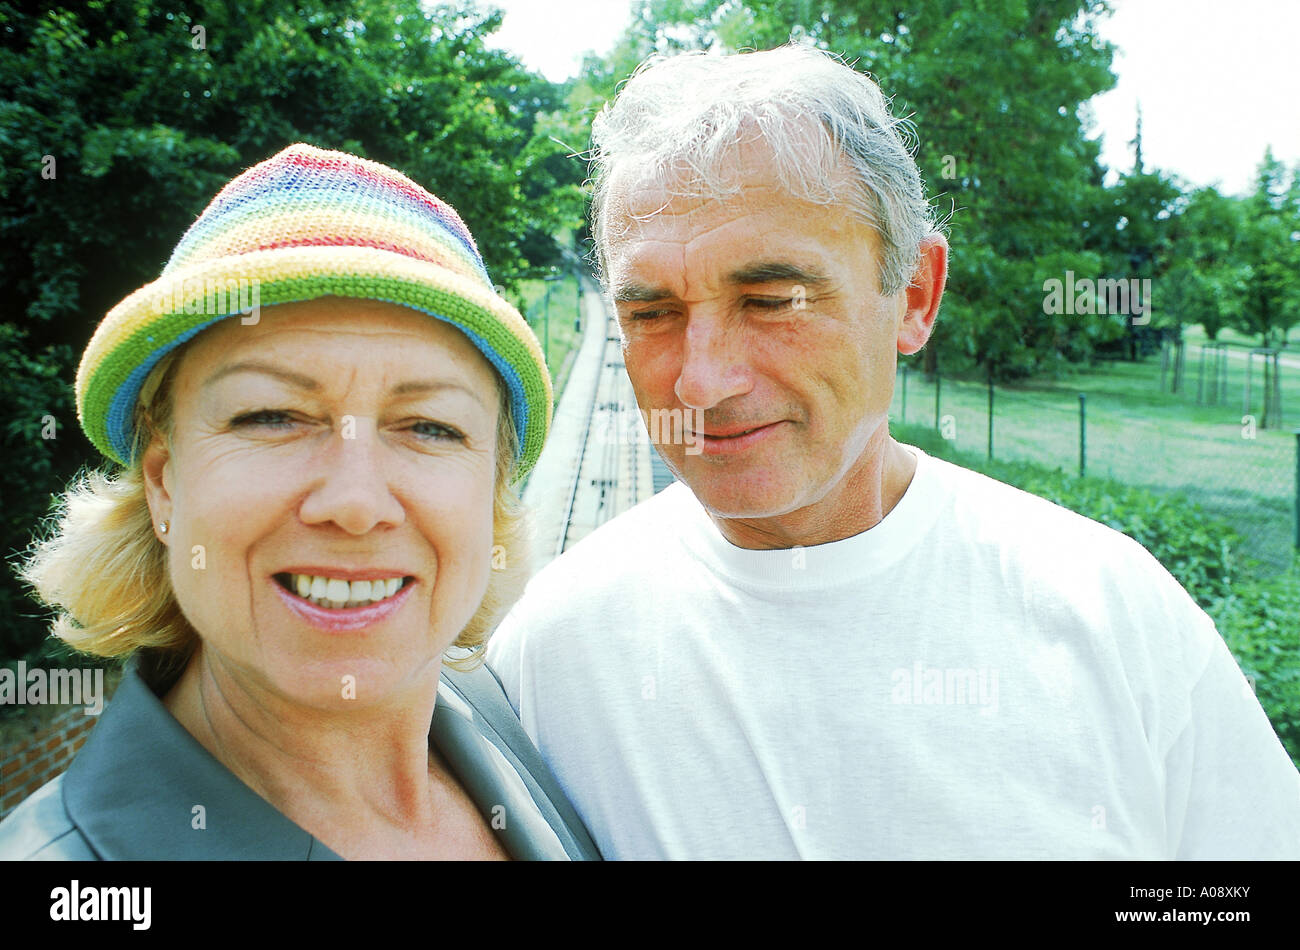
x,y
683,114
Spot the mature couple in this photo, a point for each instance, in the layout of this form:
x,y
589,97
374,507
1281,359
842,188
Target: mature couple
x,y
752,664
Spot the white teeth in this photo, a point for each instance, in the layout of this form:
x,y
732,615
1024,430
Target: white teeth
x,y
334,592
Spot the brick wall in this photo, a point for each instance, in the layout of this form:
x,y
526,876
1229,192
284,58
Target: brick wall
x,y
29,764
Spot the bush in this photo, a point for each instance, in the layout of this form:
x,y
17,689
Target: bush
x,y
1259,621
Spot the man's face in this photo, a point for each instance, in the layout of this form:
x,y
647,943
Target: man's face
x,y
760,316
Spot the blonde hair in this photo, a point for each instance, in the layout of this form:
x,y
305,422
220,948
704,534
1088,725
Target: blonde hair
x,y
104,572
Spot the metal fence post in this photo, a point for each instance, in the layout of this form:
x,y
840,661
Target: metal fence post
x,y
577,312
1083,433
990,412
937,381
1223,387
1200,378
1297,488
1277,387
1245,399
904,394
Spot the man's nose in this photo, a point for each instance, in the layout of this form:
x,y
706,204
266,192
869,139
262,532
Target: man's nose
x,y
351,486
715,363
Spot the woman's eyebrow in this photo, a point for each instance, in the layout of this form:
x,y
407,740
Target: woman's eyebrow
x,y
415,387
423,387
268,369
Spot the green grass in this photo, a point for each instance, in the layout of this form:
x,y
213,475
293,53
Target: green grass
x,y
1138,435
1196,334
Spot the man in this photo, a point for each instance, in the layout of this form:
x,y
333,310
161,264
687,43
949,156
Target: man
x,y
822,643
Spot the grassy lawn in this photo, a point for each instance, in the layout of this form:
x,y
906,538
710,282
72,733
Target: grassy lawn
x,y
1139,435
1195,334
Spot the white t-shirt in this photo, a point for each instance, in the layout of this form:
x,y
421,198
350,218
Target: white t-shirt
x,y
983,674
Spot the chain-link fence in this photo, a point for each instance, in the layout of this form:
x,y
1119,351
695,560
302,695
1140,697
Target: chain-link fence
x,y
1261,382
1116,422
555,317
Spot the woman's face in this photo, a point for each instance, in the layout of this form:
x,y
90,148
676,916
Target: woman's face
x,y
335,449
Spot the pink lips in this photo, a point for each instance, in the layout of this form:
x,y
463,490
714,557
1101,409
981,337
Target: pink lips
x,y
344,618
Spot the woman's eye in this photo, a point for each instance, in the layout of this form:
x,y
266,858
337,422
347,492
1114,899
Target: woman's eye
x,y
437,431
264,419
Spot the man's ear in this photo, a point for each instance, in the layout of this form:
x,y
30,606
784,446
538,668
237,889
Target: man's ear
x,y
156,467
923,294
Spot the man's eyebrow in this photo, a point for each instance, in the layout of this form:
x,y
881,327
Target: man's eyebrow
x,y
763,272
633,292
268,369
770,272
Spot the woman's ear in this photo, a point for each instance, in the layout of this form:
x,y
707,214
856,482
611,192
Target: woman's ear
x,y
156,467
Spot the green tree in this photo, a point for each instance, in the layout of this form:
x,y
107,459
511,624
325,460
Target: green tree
x,y
120,120
1206,280
1137,247
1269,247
994,89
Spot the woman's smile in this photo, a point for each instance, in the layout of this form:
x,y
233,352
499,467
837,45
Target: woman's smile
x,y
358,611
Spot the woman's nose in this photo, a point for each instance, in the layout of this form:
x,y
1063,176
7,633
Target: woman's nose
x,y
351,486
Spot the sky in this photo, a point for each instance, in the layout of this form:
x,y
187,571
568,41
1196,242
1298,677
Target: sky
x,y
1218,80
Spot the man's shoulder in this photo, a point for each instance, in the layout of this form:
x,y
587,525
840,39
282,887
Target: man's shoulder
x,y
40,829
1050,551
1006,515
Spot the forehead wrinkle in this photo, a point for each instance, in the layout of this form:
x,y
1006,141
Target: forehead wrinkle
x,y
687,221
277,358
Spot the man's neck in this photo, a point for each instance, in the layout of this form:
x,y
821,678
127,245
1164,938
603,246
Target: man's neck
x,y
858,502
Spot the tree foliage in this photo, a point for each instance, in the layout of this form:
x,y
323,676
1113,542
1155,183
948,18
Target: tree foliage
x,y
120,120
997,92
993,90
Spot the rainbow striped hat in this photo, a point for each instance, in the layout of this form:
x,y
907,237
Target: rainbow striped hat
x,y
304,224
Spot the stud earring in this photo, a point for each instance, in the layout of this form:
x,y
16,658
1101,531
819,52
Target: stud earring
x,y
164,527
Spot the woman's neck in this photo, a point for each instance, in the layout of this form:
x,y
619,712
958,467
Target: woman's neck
x,y
364,774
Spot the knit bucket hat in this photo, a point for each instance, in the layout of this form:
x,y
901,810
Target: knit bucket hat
x,y
304,224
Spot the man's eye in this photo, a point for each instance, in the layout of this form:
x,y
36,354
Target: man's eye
x,y
646,314
770,303
263,418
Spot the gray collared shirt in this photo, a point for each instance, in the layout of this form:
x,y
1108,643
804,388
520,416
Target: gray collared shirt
x,y
142,788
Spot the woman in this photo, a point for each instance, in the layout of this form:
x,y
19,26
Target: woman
x,y
315,506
